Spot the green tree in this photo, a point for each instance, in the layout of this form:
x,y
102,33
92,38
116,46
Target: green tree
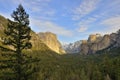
x,y
83,75
96,74
18,38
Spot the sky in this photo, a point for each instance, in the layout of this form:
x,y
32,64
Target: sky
x,y
70,20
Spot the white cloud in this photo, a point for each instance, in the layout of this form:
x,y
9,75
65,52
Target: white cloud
x,y
113,24
108,25
114,21
50,13
38,6
51,27
84,24
82,29
87,21
86,7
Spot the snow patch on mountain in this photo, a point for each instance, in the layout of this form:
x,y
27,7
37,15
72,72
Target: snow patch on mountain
x,y
72,47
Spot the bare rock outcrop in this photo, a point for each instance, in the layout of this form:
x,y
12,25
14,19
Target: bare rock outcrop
x,y
51,41
97,42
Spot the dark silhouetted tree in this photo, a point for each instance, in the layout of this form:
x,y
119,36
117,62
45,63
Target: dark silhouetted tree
x,y
18,38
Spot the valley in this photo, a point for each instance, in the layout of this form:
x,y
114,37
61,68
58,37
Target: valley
x,y
31,49
97,58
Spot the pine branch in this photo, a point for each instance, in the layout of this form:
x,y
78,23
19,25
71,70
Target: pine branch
x,y
6,49
30,61
8,61
6,66
8,55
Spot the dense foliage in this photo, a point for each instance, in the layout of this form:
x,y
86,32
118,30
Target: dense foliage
x,y
105,65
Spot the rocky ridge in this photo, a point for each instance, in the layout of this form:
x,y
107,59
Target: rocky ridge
x,y
97,42
94,43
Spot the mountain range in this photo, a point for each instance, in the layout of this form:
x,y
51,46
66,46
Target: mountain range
x,y
94,43
47,41
84,65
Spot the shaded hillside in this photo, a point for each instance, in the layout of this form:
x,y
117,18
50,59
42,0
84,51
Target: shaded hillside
x,y
3,24
37,44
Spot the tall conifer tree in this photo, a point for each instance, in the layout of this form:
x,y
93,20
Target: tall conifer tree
x,y
18,38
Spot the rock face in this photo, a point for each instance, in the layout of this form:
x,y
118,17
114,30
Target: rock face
x,y
94,43
37,44
72,47
115,39
3,24
92,38
97,42
84,47
118,39
51,41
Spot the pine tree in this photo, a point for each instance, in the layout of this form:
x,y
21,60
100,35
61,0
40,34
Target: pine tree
x,y
18,38
83,75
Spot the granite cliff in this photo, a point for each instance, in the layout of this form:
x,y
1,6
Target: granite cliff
x,y
94,43
50,39
97,42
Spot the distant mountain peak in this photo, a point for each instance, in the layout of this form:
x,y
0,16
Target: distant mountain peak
x,y
72,47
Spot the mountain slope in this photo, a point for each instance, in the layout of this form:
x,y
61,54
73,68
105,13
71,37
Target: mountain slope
x,y
37,44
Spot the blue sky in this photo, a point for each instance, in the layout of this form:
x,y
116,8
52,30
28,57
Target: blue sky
x,y
71,20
